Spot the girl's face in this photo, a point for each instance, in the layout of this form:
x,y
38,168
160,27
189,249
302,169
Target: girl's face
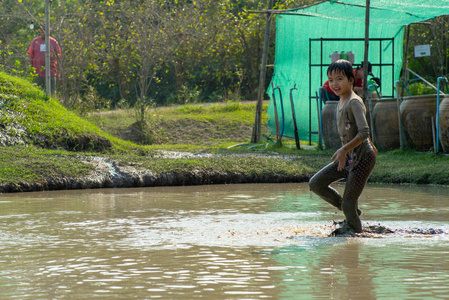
x,y
340,84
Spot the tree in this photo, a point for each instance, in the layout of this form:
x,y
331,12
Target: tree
x,y
434,33
16,35
153,38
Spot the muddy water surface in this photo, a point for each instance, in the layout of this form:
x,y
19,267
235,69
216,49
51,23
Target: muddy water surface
x,y
222,242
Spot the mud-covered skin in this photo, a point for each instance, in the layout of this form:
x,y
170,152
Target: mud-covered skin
x,y
355,183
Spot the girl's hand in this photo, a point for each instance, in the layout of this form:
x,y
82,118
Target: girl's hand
x,y
374,147
340,158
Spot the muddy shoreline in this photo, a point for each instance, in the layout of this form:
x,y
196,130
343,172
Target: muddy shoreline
x,y
111,174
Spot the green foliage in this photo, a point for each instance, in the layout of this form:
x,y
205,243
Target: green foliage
x,y
131,50
434,33
186,95
420,88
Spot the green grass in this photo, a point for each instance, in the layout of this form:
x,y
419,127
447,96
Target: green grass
x,y
29,107
411,167
234,164
50,124
216,125
31,164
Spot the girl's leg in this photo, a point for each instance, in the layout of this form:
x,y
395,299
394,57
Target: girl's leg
x,y
320,184
355,183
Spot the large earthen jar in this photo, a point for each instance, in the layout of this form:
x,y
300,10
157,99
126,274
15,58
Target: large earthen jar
x,y
386,124
416,114
331,138
444,123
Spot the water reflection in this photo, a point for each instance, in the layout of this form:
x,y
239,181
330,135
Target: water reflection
x,y
223,242
328,272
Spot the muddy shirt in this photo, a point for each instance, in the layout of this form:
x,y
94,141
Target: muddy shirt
x,y
351,121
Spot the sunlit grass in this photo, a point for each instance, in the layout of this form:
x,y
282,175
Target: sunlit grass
x,y
206,125
31,164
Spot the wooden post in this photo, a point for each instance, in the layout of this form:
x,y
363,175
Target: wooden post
x,y
47,48
365,59
404,63
256,135
366,93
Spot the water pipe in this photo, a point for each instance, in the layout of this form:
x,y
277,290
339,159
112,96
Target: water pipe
x,y
282,110
437,125
376,86
320,119
298,144
406,88
276,117
318,111
401,135
371,117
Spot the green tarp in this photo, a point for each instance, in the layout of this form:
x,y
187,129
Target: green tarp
x,y
306,37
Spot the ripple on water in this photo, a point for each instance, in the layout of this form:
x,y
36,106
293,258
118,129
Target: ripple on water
x,y
222,245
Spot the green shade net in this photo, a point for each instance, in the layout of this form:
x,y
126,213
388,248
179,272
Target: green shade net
x,y
305,39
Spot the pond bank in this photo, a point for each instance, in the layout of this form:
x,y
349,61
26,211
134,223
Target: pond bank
x,y
26,169
109,173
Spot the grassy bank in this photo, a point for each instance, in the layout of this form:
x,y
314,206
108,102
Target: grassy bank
x,y
54,139
32,164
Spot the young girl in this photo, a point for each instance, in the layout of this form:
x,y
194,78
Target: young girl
x,y
355,160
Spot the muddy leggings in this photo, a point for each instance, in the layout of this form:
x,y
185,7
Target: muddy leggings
x,y
355,182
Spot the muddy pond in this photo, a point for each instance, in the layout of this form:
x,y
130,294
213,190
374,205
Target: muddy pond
x,y
252,241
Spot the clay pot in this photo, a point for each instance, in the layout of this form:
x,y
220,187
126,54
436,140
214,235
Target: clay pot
x,y
331,138
444,123
386,124
416,114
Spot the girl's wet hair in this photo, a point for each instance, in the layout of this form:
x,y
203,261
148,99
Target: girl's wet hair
x,y
342,66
